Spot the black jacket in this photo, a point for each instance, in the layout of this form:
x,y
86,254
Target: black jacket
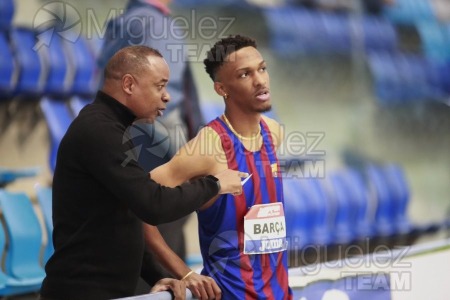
x,y
100,196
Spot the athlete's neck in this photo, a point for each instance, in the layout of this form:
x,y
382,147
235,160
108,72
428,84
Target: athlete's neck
x,y
244,126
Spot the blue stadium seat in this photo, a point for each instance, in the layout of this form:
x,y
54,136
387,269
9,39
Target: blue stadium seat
x,y
435,40
58,117
438,79
385,213
337,27
408,12
379,34
31,81
365,215
6,14
307,27
322,208
44,197
9,285
8,176
303,31
298,215
399,195
7,68
85,68
22,259
346,210
77,103
285,37
386,78
59,80
211,110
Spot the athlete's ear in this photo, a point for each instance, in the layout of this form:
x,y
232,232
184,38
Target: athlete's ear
x,y
218,87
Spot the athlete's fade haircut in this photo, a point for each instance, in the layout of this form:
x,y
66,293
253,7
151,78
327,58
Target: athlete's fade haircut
x,y
129,60
222,49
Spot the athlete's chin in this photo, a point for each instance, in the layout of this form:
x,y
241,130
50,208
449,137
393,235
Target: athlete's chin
x,y
265,108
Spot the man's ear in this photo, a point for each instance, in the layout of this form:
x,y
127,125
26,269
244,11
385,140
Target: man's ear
x,y
128,84
218,87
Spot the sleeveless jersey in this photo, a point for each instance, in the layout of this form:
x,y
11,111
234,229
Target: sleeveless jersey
x,y
221,226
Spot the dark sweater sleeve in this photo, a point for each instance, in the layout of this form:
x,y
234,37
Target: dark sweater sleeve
x,y
107,158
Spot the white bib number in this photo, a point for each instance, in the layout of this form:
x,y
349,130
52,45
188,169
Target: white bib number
x,y
265,229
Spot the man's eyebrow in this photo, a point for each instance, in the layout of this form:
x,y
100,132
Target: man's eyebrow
x,y
246,68
164,80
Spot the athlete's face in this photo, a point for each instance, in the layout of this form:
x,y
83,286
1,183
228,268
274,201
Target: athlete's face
x,y
244,79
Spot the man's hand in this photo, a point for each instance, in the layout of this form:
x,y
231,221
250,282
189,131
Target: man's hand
x,y
178,287
203,287
230,181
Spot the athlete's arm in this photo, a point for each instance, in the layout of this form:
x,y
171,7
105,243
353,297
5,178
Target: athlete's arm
x,y
202,287
197,158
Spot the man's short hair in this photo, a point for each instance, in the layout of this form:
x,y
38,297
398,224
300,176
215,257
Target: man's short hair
x,y
222,49
129,60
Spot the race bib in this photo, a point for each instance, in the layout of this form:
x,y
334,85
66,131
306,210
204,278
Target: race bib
x,y
265,229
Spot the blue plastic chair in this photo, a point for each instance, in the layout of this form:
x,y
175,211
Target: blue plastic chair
x,y
298,215
399,194
337,27
6,14
346,210
435,40
364,223
14,286
31,80
385,213
8,176
77,103
211,110
85,67
322,208
438,79
386,77
7,68
58,117
408,12
44,197
379,34
59,79
285,37
22,260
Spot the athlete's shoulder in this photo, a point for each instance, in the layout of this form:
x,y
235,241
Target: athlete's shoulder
x,y
276,130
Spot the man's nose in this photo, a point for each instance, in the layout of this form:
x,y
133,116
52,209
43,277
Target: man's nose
x,y
166,97
260,80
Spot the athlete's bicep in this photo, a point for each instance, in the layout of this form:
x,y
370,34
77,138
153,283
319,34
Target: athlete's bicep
x,y
192,160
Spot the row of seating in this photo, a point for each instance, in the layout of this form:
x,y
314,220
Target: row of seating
x,y
59,69
59,114
406,78
408,12
398,77
349,206
296,31
20,244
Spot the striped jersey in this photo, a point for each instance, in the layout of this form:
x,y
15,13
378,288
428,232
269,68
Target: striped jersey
x,y
221,226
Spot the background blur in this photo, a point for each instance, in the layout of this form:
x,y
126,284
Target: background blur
x,y
374,83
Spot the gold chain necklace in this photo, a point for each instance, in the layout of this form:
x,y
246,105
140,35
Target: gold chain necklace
x,y
237,134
